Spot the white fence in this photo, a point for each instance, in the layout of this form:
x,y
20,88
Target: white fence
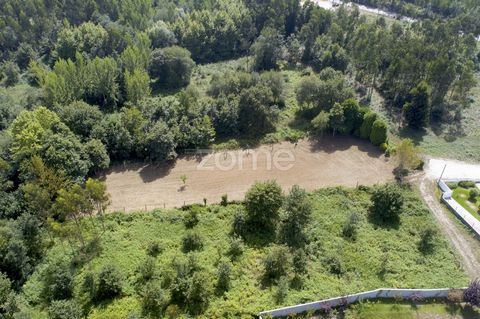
x,y
382,293
463,214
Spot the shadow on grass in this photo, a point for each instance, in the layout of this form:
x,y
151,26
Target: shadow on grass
x,y
417,136
259,239
392,223
464,311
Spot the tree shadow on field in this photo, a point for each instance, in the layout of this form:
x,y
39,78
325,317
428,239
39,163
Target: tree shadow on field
x,y
331,144
148,171
462,311
259,239
392,223
417,136
154,171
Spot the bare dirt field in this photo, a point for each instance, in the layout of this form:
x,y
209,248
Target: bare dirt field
x,y
330,161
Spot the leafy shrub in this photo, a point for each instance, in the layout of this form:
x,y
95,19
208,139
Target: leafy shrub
x,y
383,147
335,265
224,201
64,309
11,72
282,290
299,262
171,67
223,277
239,224
466,184
452,185
172,311
366,128
473,194
299,209
57,281
191,218
146,270
236,247
276,262
192,241
262,203
88,286
154,298
154,249
387,203
198,295
379,132
110,283
350,228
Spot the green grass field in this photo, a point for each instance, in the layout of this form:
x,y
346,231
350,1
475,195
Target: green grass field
x,y
380,257
461,195
406,310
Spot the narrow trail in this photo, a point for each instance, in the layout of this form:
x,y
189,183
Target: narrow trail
x,y
463,243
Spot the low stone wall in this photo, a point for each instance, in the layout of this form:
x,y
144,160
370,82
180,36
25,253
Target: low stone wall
x,y
382,293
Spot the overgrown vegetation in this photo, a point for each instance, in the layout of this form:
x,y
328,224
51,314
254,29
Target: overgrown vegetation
x,y
233,277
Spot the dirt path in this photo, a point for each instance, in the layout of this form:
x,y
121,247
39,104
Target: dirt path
x,y
465,245
339,161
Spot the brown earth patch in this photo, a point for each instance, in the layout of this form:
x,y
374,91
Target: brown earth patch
x,y
330,161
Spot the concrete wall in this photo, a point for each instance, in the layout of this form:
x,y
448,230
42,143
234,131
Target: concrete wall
x,y
464,215
383,293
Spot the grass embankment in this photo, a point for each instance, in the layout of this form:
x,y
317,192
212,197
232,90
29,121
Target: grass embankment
x,y
380,257
406,310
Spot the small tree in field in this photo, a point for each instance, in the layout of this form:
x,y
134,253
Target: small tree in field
x,y
387,203
472,293
299,209
321,122
223,277
262,203
110,283
183,178
276,262
407,157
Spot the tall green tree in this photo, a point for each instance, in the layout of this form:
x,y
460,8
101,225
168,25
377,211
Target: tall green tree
x,y
262,204
267,50
171,67
137,85
417,110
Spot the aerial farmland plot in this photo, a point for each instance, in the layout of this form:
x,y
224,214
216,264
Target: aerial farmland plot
x,y
239,159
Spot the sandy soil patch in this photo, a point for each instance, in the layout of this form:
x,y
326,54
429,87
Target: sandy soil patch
x,y
339,161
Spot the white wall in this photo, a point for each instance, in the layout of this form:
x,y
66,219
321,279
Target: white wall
x,y
383,293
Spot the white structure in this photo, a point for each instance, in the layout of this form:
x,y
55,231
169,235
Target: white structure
x,y
464,215
383,293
